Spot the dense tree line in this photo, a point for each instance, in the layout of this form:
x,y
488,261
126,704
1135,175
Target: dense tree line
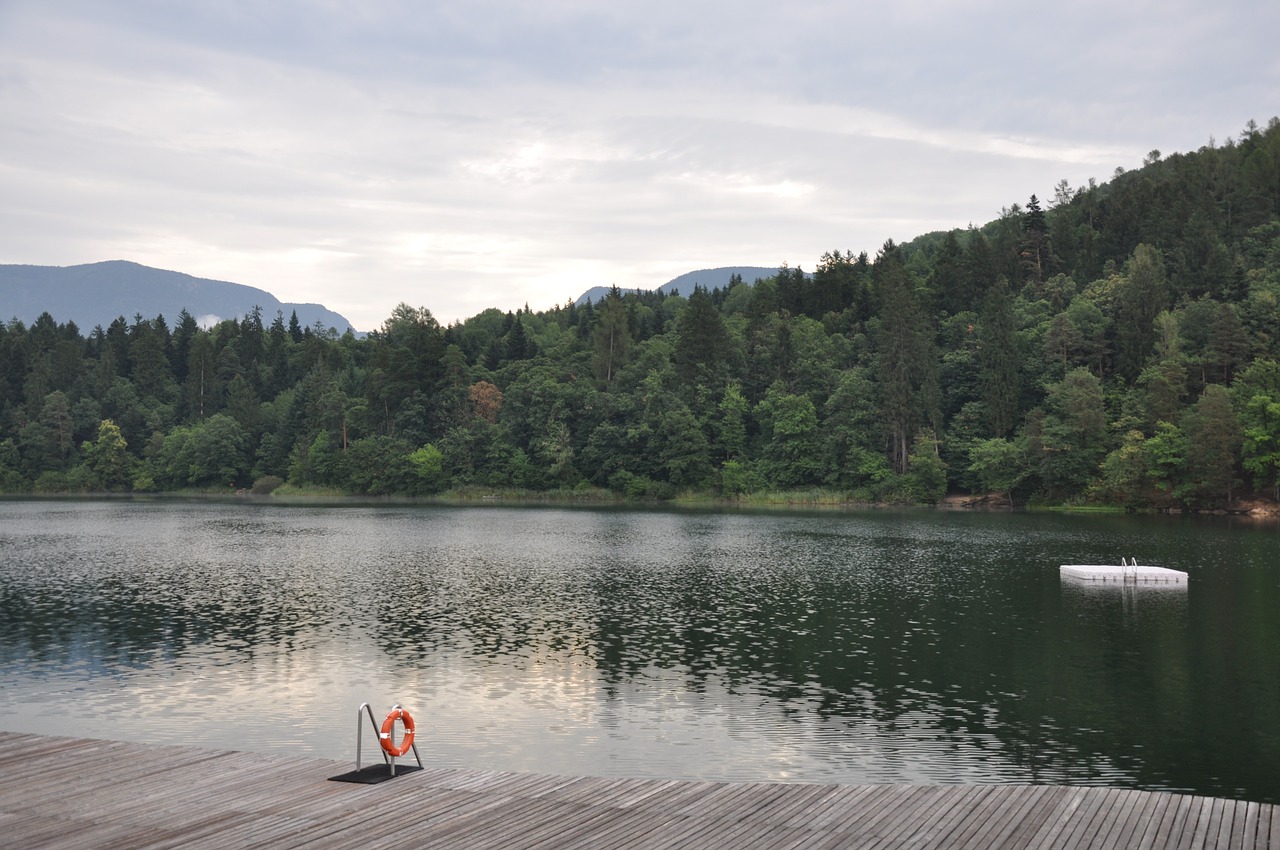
x,y
1119,344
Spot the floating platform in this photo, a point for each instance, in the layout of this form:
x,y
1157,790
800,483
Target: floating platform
x,y
1123,574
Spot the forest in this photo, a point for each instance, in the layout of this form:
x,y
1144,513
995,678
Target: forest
x,y
1114,344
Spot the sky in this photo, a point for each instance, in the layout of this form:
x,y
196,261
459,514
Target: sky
x,y
467,155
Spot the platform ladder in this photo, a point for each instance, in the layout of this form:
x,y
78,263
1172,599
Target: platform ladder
x,y
377,734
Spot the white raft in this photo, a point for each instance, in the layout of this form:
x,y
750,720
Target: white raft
x,y
1126,573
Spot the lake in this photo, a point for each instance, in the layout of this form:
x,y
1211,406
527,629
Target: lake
x,y
873,646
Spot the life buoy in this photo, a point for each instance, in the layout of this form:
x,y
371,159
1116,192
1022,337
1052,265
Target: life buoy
x,y
389,724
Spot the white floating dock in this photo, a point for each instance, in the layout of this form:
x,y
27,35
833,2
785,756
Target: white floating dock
x,y
1126,573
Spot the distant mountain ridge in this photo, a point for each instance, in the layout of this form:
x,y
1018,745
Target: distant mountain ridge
x,y
684,284
99,293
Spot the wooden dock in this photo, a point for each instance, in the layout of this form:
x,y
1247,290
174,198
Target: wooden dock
x,y
65,792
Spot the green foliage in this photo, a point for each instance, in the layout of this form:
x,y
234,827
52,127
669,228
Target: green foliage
x,y
380,466
904,362
207,454
926,473
266,485
1213,445
702,349
790,456
1073,434
738,479
108,461
1139,299
998,359
1000,465
428,465
611,338
1261,441
1124,472
1063,354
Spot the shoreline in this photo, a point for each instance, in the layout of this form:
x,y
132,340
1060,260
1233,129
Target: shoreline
x,y
1261,509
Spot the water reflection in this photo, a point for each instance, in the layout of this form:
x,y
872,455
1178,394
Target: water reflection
x,y
913,647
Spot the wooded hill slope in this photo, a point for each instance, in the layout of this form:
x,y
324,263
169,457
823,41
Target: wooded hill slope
x,y
1114,343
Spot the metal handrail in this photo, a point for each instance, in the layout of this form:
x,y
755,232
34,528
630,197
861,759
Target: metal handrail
x,y
364,706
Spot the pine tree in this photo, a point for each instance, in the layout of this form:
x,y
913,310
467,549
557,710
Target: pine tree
x,y
998,357
1214,438
1138,300
518,342
947,281
1035,251
611,338
902,349
701,341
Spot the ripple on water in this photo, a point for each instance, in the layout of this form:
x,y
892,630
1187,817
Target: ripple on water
x,y
882,646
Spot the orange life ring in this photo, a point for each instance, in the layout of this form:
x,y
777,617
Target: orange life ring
x,y
388,725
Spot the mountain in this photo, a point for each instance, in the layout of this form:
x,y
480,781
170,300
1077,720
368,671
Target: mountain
x,y
706,278
99,293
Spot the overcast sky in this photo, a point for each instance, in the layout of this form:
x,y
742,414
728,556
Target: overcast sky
x,y
488,153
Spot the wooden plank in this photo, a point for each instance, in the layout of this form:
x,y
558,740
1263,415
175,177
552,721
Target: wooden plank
x,y
1091,833
624,828
829,806
855,809
1131,822
1234,837
944,816
1057,798
869,825
1060,819
1162,807
1196,825
1001,806
922,801
794,806
1208,836
1176,821
1129,825
1013,811
146,796
1249,839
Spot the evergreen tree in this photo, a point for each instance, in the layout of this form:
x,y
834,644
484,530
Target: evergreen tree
x,y
1214,438
999,358
702,343
903,361
1073,434
948,282
1138,300
180,344
518,343
833,281
979,272
611,338
1035,252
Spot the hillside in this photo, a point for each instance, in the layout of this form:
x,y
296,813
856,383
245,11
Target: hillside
x,y
98,293
1118,344
706,278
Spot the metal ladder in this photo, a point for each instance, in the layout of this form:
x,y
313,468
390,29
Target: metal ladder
x,y
390,760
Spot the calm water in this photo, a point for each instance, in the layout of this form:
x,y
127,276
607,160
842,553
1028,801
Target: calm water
x,y
870,647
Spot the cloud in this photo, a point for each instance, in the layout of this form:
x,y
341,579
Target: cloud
x,y
497,153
